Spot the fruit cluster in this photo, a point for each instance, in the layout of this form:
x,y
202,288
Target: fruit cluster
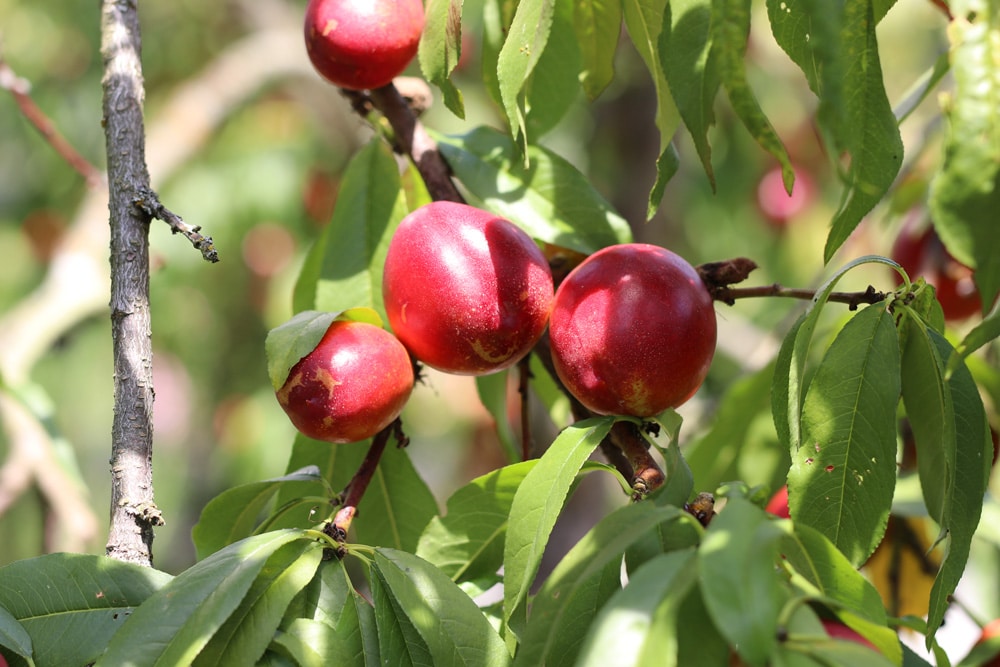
x,y
632,328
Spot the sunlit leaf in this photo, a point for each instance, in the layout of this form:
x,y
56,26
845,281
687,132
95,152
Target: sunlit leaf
x,y
536,506
521,51
847,460
549,199
70,605
453,629
344,267
554,84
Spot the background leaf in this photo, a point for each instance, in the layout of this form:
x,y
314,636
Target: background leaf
x,y
848,454
554,84
467,542
70,605
549,199
526,41
597,25
344,267
234,513
536,506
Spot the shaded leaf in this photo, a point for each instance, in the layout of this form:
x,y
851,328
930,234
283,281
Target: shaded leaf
x,y
536,506
582,582
13,636
847,459
549,199
399,643
965,194
234,513
455,632
870,129
344,267
70,605
245,635
467,542
637,626
441,48
740,586
492,390
179,619
597,25
555,82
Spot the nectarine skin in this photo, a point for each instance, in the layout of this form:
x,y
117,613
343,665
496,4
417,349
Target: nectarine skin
x,y
362,44
633,330
351,386
467,292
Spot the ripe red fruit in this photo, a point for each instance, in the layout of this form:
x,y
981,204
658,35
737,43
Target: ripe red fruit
x,y
920,252
361,44
466,291
351,386
838,630
778,504
633,330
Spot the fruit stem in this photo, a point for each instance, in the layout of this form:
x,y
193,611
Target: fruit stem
x,y
355,489
647,475
413,140
524,377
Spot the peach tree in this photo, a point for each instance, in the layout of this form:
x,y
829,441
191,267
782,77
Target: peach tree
x,y
485,252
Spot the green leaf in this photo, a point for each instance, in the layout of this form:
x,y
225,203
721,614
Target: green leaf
x,y
70,605
395,518
597,25
467,542
492,390
179,619
245,635
234,513
692,70
645,20
344,268
555,82
739,582
963,507
454,630
931,413
550,199
582,582
980,335
311,643
965,193
789,373
730,28
870,129
699,641
809,31
441,48
399,643
843,474
287,344
637,626
521,51
536,506
14,637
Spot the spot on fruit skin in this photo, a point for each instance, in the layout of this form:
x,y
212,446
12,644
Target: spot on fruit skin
x,y
329,27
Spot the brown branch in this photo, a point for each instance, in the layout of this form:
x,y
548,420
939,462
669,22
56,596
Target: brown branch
x,y
647,474
20,89
133,512
414,141
150,204
852,299
523,379
352,494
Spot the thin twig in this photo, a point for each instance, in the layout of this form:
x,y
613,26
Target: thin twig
x,y
852,299
355,489
20,89
149,202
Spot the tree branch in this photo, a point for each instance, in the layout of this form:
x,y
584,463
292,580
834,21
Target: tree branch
x,y
150,204
133,511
